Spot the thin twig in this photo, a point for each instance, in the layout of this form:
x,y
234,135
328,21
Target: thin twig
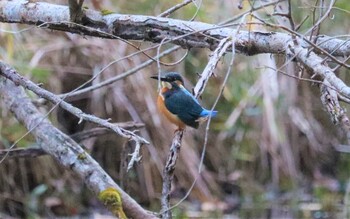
x,y
132,27
317,48
249,11
343,148
314,63
12,75
198,6
313,21
120,76
174,8
98,131
78,137
344,99
168,174
22,153
135,156
65,150
209,69
329,99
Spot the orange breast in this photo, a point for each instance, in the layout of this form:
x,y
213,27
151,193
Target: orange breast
x,y
171,117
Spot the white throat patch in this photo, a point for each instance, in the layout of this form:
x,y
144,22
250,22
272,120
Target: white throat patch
x,y
166,84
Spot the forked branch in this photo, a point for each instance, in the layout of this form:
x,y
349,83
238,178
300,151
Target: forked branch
x,y
11,74
187,34
66,151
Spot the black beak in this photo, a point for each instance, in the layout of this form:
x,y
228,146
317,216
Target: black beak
x,y
162,78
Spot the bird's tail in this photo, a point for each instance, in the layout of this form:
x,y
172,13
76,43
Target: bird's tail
x,y
206,113
213,113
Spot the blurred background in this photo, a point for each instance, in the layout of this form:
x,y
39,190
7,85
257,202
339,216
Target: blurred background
x,y
272,152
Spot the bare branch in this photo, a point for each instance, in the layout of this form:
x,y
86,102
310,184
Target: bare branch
x,y
120,76
329,88
329,99
66,151
154,29
135,156
315,47
76,12
78,137
209,68
22,152
343,149
168,174
263,5
174,8
12,75
315,63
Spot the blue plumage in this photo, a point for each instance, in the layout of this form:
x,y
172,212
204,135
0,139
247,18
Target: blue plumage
x,y
206,113
178,104
182,103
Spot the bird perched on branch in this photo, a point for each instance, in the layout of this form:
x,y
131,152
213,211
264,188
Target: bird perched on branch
x,y
177,104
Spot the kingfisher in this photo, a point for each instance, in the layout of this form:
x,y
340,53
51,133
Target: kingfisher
x,y
178,105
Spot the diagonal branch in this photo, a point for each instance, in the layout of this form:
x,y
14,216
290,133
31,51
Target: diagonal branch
x,y
331,86
120,76
98,131
22,152
78,137
168,172
174,8
154,29
316,64
66,151
209,68
329,99
11,74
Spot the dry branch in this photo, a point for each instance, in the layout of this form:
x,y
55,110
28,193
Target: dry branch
x,y
174,8
78,137
22,153
155,29
317,65
331,86
329,99
11,74
121,76
66,151
209,68
168,174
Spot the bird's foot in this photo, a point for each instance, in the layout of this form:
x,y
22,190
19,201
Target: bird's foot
x,y
179,129
202,119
